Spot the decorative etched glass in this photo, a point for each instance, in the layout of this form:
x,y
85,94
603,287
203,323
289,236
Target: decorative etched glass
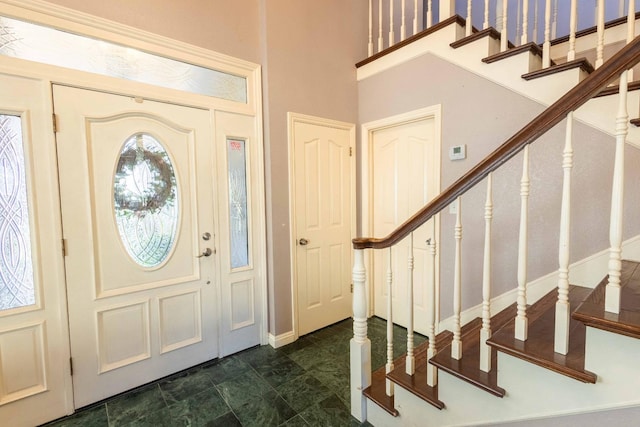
x,y
238,219
16,267
33,42
145,196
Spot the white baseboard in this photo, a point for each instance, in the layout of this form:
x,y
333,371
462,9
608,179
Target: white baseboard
x,y
282,339
587,272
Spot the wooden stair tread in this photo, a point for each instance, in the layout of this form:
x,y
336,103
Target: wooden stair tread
x,y
487,32
627,322
531,47
614,89
377,392
635,122
578,63
468,368
538,348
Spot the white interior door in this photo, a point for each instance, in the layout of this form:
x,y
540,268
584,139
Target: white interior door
x,y
136,191
323,215
405,177
35,381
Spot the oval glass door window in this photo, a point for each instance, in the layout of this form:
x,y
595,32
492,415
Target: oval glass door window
x,y
146,200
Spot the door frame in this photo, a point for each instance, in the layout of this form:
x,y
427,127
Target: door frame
x,y
366,185
83,24
292,120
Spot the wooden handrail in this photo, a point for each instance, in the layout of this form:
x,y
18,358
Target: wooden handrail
x,y
626,58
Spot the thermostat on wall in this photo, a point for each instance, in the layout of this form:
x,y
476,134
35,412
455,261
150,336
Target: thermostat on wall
x,y
458,152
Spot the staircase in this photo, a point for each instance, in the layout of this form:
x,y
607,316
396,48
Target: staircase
x,y
572,349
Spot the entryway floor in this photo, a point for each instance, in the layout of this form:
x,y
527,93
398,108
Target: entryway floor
x,y
305,383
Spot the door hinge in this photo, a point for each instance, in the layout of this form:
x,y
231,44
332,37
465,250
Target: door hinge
x,y
71,365
352,288
350,151
64,247
54,120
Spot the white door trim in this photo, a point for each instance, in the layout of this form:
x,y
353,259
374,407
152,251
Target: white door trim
x,y
366,182
292,119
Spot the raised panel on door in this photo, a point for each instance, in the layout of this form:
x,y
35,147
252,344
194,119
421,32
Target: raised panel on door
x,y
35,380
136,191
323,222
404,179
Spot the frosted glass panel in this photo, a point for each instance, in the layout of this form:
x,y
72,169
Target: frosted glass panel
x,y
33,42
16,267
146,200
238,220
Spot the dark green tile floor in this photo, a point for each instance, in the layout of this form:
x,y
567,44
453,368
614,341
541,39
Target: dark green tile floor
x,y
305,383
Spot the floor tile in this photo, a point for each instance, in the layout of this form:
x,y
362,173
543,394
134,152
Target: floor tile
x,y
134,405
177,388
296,421
227,420
266,411
241,389
225,369
277,371
91,417
158,418
329,412
310,356
303,391
199,409
258,355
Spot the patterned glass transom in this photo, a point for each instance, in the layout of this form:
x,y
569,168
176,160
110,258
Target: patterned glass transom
x,y
16,267
146,200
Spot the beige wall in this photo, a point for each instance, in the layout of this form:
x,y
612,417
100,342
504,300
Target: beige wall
x,y
307,51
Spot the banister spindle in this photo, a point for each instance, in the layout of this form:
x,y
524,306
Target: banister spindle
x,y
403,26
546,46
389,366
360,345
573,26
600,35
561,339
469,23
554,21
485,332
486,24
429,14
370,45
518,22
456,344
612,293
504,35
525,22
415,17
391,33
380,37
410,359
536,8
432,371
631,30
522,323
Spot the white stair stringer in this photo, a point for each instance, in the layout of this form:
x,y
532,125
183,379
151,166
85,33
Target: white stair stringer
x,y
532,392
507,73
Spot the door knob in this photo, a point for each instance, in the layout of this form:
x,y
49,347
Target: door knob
x,y
206,252
303,242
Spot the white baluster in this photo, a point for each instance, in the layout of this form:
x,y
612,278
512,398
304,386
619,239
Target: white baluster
x,y
518,21
432,371
554,21
429,14
360,345
631,30
415,16
389,365
456,344
522,323
370,45
504,35
486,24
485,332
391,33
612,294
447,9
536,8
469,23
410,360
380,37
525,22
573,26
499,14
600,35
561,340
403,27
546,46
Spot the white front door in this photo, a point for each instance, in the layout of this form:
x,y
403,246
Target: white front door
x,y
323,214
137,211
35,376
405,177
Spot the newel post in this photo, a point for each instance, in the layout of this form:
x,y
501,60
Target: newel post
x,y
360,346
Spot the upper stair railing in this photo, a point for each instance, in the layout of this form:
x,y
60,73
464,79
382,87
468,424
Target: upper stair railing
x,y
530,21
611,70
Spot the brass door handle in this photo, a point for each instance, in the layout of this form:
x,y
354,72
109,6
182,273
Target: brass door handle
x,y
206,252
303,242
